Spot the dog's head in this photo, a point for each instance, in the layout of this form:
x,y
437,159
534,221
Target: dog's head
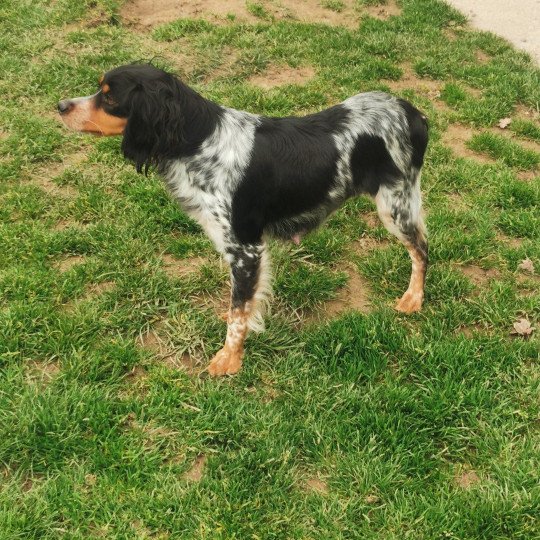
x,y
140,102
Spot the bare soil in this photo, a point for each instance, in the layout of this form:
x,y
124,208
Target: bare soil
x,y
411,81
317,485
70,262
354,296
281,75
176,268
466,479
154,343
480,276
455,138
195,473
150,13
41,373
365,244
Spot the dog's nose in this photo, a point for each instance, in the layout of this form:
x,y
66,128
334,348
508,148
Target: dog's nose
x,y
65,106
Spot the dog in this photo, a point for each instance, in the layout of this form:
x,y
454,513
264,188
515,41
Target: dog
x,y
246,177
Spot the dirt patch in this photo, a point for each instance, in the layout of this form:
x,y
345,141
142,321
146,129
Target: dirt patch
x,y
470,330
227,67
482,57
316,485
137,375
365,244
372,219
179,54
29,482
527,113
176,268
480,276
527,176
312,11
509,241
41,373
282,75
456,136
526,143
411,81
96,289
467,478
529,285
450,34
456,201
150,13
385,11
354,296
44,176
475,92
184,361
64,224
196,471
54,189
70,262
154,343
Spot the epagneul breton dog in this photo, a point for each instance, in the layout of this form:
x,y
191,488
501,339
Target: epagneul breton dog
x,y
246,177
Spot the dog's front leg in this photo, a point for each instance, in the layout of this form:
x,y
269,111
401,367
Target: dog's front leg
x,y
245,261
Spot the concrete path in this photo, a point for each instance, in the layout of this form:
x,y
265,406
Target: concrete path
x,y
516,20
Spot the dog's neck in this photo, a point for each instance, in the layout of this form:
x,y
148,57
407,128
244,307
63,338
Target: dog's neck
x,y
200,116
166,123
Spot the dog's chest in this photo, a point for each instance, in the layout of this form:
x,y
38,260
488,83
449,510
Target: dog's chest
x,y
209,207
204,184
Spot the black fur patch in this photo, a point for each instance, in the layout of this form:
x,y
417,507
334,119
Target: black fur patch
x,y
292,169
418,126
372,165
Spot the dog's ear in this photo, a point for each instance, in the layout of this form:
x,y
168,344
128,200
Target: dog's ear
x,y
155,125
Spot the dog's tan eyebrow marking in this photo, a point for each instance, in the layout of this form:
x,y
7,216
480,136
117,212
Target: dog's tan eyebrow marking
x,y
105,88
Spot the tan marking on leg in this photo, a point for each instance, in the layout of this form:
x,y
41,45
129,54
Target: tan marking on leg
x,y
414,296
229,359
260,304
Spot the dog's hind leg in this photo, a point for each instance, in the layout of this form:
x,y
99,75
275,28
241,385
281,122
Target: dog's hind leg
x,y
399,207
249,296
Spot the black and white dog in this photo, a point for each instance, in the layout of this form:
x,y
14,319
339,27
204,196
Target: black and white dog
x,y
245,177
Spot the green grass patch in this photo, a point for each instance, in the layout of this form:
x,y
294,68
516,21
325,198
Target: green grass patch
x,y
526,128
510,152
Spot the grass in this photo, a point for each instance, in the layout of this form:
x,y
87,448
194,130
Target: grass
x,y
368,425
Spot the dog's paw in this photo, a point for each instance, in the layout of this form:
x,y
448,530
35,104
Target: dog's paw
x,y
410,302
226,362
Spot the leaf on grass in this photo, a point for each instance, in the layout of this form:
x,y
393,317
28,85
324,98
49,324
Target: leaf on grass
x,y
504,122
527,265
522,328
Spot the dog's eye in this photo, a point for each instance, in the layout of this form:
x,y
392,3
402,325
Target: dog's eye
x,y
108,99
